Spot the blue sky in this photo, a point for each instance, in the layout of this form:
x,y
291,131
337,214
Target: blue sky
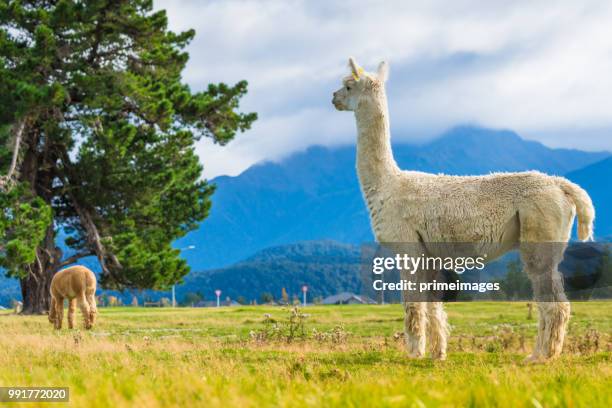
x,y
543,69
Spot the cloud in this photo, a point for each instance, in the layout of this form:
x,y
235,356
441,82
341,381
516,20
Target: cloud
x,y
275,137
543,69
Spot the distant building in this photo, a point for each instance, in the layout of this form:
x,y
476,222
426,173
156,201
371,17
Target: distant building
x,y
347,298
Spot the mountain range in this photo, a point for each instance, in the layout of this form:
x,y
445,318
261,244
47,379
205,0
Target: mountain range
x,y
314,194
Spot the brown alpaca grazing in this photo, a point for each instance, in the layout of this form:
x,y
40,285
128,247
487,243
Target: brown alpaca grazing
x,y
78,285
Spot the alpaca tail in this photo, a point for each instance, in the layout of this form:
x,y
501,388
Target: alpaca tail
x,y
584,208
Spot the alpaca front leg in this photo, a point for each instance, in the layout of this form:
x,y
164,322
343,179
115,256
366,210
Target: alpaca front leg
x,y
59,312
438,329
52,311
93,310
415,328
71,313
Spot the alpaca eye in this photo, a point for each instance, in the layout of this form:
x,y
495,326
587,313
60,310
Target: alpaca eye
x,y
348,88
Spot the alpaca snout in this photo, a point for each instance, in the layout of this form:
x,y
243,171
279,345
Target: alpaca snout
x,y
336,102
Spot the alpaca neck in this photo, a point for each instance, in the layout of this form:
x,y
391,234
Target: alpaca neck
x,y
375,162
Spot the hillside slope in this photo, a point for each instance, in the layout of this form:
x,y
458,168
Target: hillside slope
x,y
327,267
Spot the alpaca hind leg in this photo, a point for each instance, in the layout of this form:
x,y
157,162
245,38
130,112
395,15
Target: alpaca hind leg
x,y
553,308
71,313
438,329
415,328
537,353
554,312
560,317
85,310
554,317
59,312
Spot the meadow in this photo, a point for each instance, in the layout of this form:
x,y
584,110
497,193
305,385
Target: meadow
x,y
256,356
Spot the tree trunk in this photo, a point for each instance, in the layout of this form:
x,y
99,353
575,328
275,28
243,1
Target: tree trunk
x,y
35,170
35,286
35,291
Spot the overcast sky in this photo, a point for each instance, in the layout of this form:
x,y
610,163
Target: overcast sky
x,y
543,69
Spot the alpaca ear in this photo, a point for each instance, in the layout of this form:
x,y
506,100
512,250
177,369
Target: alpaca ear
x,y
356,71
383,71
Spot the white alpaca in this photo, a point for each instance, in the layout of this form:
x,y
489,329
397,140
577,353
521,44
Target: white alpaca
x,y
506,209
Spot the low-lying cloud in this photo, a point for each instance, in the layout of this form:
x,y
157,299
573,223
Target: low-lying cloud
x,y
543,69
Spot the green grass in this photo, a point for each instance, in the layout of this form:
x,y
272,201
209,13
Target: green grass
x,y
209,357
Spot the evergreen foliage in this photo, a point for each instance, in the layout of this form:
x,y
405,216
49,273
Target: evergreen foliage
x,y
95,115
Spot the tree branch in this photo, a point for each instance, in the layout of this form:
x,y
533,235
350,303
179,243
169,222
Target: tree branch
x,y
108,261
72,259
6,181
97,34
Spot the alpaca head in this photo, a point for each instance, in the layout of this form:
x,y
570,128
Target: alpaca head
x,y
361,89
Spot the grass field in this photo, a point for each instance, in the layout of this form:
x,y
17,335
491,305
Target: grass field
x,y
336,356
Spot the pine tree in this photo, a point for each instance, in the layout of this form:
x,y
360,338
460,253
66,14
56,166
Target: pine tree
x,y
97,135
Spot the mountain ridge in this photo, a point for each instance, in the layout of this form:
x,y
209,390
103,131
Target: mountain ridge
x,y
601,193
315,194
